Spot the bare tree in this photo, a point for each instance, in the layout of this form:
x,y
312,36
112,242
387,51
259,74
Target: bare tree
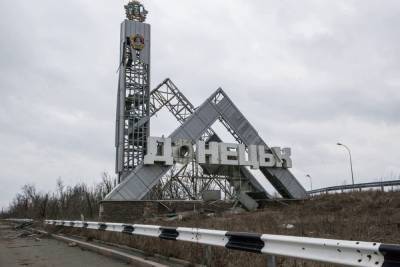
x,y
107,183
66,202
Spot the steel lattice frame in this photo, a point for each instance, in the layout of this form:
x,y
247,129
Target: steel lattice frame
x,y
136,110
133,112
133,104
168,95
189,181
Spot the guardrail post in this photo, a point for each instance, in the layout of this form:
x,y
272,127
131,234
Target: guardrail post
x,y
271,261
208,259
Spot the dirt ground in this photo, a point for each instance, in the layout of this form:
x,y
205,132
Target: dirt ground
x,y
26,251
362,216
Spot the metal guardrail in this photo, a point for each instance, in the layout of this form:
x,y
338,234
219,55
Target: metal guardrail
x,y
355,186
349,253
19,220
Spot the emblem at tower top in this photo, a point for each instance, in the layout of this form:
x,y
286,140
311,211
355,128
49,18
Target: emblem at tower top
x,y
135,11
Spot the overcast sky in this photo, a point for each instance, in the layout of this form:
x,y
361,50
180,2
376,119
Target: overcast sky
x,y
307,74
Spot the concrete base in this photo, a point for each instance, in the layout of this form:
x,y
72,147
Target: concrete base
x,y
133,211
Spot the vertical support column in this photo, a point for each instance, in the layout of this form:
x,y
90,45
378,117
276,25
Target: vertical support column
x,y
271,261
133,114
208,257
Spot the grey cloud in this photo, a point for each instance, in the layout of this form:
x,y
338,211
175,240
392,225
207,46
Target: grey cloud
x,y
307,74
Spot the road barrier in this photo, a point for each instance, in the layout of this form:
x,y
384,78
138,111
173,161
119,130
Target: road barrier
x,y
361,186
350,253
20,220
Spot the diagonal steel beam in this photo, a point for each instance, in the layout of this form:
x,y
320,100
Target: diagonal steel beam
x,y
282,179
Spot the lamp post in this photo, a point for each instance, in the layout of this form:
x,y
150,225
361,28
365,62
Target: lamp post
x,y
309,176
351,161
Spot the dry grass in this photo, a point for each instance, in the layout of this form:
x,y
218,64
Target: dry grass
x,y
364,216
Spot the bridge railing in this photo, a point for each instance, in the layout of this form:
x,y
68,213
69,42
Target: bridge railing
x,y
349,253
381,185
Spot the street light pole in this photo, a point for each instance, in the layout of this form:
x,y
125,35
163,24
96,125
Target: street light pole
x,y
309,176
351,161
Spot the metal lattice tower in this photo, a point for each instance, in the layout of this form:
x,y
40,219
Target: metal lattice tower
x,y
133,120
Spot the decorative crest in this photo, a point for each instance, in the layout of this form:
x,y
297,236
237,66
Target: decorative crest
x,y
135,11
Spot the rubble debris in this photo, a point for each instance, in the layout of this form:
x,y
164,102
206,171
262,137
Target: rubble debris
x,y
72,244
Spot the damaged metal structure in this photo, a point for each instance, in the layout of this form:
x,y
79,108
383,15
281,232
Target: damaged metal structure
x,y
136,105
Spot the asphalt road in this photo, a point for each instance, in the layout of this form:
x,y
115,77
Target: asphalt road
x,y
26,251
